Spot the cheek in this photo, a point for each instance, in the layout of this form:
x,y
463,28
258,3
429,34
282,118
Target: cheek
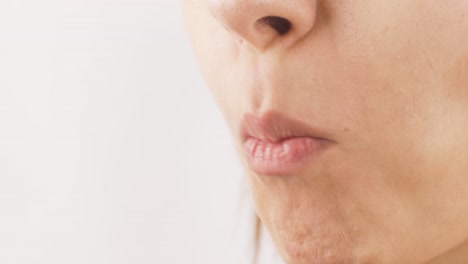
x,y
216,54
406,72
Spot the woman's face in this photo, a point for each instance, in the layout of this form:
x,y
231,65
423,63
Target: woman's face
x,y
374,169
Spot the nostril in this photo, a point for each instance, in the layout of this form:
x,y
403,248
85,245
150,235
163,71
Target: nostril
x,y
281,25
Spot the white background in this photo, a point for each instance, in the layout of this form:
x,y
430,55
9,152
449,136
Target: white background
x,y
111,149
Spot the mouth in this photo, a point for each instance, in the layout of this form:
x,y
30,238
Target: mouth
x,y
276,144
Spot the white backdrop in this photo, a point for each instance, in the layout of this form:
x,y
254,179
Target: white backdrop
x,y
111,149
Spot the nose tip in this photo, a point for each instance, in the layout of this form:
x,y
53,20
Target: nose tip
x,y
263,22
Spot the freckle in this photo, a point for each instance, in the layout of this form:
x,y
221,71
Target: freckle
x,y
346,129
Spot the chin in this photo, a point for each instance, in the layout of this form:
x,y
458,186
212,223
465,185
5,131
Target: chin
x,y
321,247
310,234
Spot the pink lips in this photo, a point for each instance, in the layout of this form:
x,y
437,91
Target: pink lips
x,y
275,144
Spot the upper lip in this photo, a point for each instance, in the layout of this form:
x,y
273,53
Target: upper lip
x,y
273,126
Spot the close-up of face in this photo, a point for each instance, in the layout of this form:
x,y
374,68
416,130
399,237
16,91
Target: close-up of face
x,y
350,118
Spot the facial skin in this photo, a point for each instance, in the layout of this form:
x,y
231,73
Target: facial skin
x,y
388,83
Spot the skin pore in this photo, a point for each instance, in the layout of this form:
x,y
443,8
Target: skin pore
x,y
387,82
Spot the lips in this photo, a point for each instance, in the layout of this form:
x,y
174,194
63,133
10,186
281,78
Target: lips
x,y
275,144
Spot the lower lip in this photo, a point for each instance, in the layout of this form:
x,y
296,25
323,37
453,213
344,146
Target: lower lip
x,y
280,158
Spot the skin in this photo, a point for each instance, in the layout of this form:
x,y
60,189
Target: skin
x,y
388,82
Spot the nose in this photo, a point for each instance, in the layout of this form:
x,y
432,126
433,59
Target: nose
x,y
263,22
